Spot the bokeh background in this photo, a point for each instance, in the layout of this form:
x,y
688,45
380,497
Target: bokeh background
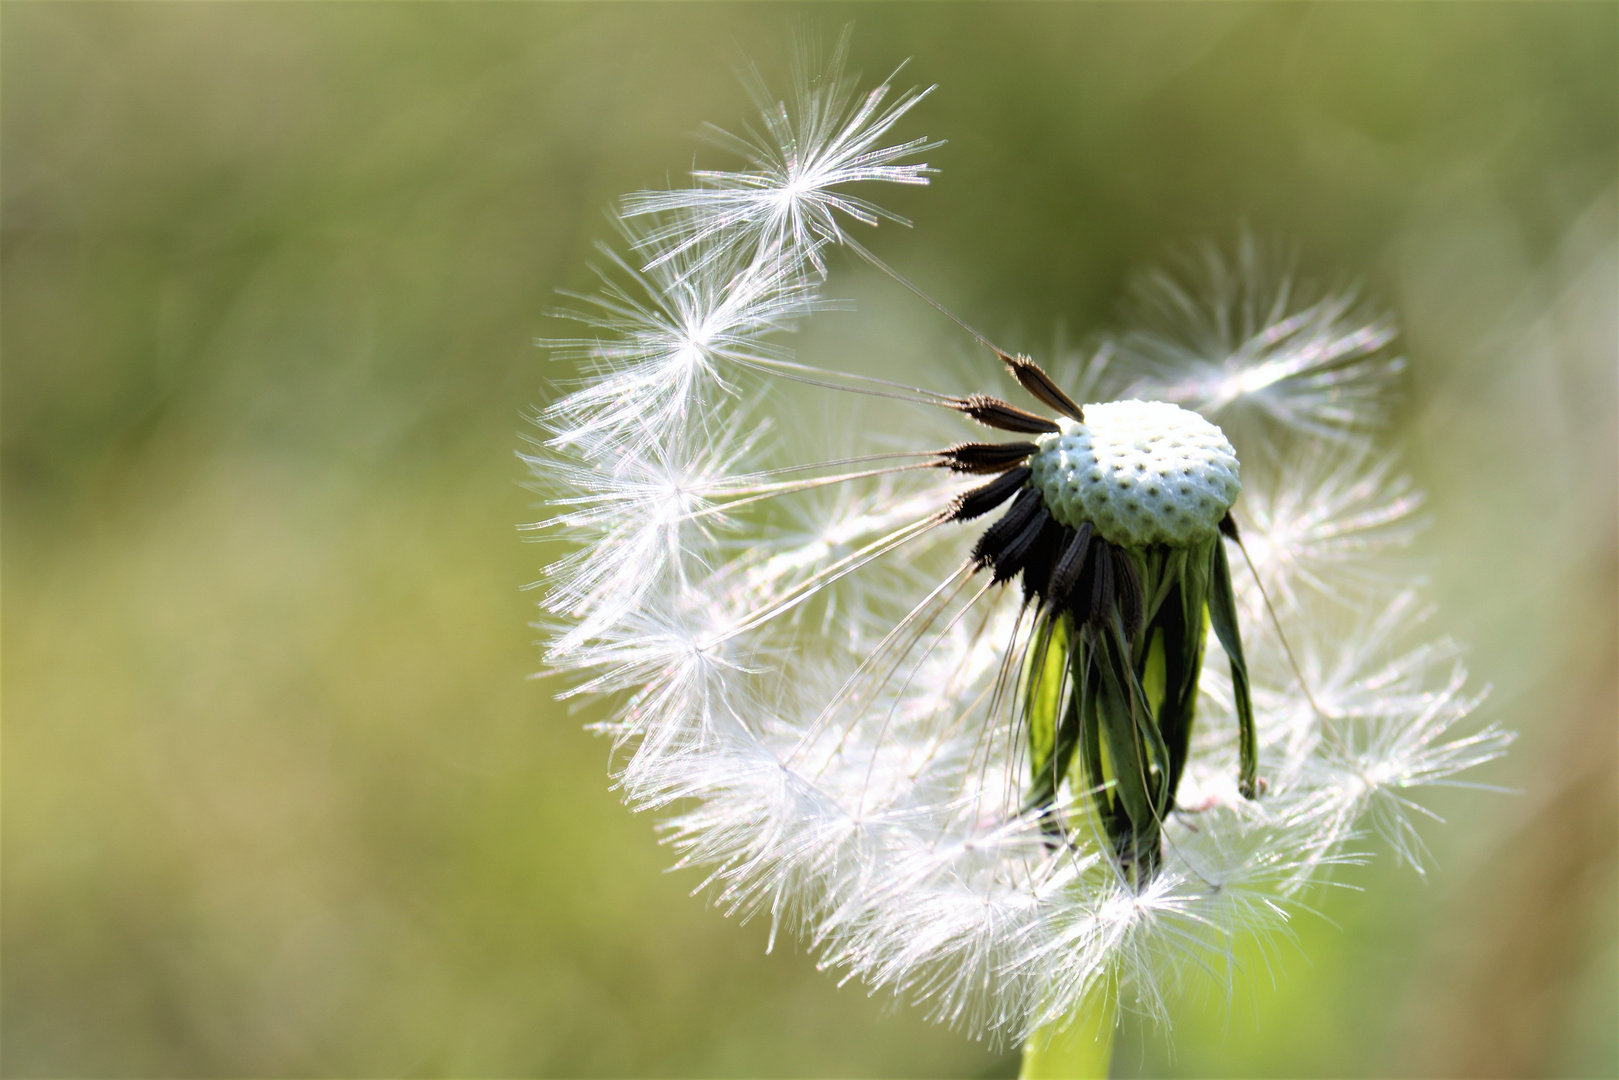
x,y
280,797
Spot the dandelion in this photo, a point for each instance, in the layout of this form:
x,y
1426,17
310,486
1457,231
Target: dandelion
x,y
1027,727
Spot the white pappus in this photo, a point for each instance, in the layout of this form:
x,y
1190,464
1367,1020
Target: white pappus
x,y
975,792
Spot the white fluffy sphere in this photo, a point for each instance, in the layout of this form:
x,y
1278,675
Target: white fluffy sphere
x,y
1141,472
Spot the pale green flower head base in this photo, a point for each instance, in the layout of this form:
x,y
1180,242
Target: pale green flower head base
x,y
1141,472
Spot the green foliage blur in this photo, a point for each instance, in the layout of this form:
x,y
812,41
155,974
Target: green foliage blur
x,y
280,798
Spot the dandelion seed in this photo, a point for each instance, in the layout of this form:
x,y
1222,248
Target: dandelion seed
x,y
1320,522
811,147
1015,718
671,339
1235,337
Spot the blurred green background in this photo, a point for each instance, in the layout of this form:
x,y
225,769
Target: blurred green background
x,y
279,799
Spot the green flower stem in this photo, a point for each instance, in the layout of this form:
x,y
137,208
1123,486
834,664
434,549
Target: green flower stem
x,y
1082,1049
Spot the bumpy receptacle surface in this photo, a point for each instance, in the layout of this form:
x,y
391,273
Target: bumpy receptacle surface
x,y
1142,472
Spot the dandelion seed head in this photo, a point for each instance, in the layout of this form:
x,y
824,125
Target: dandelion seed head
x,y
826,666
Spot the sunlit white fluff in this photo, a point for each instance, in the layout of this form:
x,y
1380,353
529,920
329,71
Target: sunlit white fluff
x,y
1324,519
1236,337
822,138
818,693
665,337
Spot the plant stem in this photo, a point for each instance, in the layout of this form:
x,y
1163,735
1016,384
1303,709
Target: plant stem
x,y
1082,1049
